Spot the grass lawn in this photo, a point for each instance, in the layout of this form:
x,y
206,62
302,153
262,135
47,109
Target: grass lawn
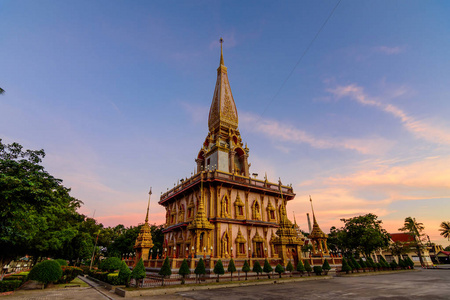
x,y
74,282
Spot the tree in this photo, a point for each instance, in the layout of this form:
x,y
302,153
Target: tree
x,y
267,268
445,230
362,234
355,264
46,272
362,264
2,91
290,268
308,267
218,269
415,229
300,267
138,272
326,266
345,266
447,248
124,274
246,268
37,214
279,269
165,269
184,270
231,268
200,269
257,268
398,249
111,264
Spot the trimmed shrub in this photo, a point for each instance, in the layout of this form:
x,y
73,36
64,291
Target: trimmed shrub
x,y
20,277
257,268
355,264
9,285
184,270
138,272
62,262
231,268
308,267
113,279
124,274
326,266
393,265
111,264
267,268
401,263
345,266
69,274
279,269
246,268
317,270
46,272
349,261
165,270
218,269
200,269
289,268
301,267
362,263
410,262
85,269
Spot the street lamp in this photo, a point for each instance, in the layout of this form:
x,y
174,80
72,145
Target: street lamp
x,y
249,252
231,248
192,252
151,253
204,252
187,252
211,252
174,251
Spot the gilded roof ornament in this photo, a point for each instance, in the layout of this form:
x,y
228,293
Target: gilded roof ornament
x,y
316,232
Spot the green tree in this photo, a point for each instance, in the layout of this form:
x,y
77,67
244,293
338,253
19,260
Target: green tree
x,y
300,267
317,270
245,268
184,270
231,268
138,272
46,272
362,264
218,269
445,230
345,266
200,269
165,269
111,264
267,268
414,228
355,264
308,268
326,266
362,234
2,91
124,274
290,268
257,268
37,214
393,265
398,249
279,269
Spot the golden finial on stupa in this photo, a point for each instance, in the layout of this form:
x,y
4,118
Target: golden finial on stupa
x,y
148,206
221,52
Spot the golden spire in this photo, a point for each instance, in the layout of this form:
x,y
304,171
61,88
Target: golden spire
x,y
295,221
221,53
312,208
200,221
316,231
148,206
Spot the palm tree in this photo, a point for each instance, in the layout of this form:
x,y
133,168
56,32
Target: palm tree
x,y
445,230
415,229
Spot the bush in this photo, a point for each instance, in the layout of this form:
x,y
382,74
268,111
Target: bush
x,y
231,268
362,263
46,272
69,274
85,269
289,268
401,263
200,268
138,272
113,279
326,266
267,268
111,264
410,262
317,270
308,267
165,269
393,265
184,270
355,264
20,277
124,274
257,268
279,269
246,268
300,267
9,285
62,262
345,266
218,269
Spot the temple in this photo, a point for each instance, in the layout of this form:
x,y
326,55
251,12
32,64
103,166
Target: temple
x,y
222,212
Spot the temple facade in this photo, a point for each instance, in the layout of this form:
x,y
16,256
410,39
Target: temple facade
x,y
221,211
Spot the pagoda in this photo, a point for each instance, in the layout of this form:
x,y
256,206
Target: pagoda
x,y
220,211
318,237
144,240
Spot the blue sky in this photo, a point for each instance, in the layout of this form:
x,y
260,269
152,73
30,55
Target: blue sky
x,y
118,94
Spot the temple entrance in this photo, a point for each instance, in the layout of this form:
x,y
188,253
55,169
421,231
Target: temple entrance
x,y
259,249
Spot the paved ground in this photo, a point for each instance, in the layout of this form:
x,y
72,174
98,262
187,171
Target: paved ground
x,y
423,284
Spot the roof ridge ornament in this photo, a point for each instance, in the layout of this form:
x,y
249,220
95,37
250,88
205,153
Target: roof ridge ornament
x,y
221,52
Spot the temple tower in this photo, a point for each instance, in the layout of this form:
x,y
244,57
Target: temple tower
x,y
318,237
144,240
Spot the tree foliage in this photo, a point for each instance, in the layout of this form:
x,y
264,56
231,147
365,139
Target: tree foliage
x,y
257,268
362,234
124,274
165,269
445,230
46,272
218,269
345,266
300,267
415,229
111,264
326,265
267,267
184,270
231,268
138,272
308,267
290,267
246,268
279,269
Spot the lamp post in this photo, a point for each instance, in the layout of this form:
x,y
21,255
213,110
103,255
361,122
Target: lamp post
x,y
192,252
249,252
204,253
211,252
187,252
265,252
151,254
157,253
165,252
231,248
174,252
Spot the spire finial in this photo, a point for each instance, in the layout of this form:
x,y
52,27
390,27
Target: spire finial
x,y
312,208
221,52
295,221
148,206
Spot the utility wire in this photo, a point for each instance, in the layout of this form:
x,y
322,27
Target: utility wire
x,y
301,58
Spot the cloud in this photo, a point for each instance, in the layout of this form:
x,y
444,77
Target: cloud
x,y
389,50
419,128
288,133
198,113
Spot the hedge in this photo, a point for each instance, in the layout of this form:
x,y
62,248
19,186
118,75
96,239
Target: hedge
x,y
9,285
